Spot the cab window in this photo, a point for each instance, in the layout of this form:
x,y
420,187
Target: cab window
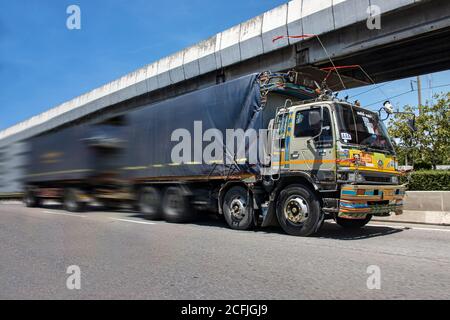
x,y
304,130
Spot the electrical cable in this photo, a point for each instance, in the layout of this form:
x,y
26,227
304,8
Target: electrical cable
x,y
371,89
409,91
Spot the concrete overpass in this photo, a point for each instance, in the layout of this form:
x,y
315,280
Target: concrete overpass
x,y
414,38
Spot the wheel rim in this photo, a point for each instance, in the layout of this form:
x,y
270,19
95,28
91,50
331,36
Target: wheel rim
x,y
296,210
238,208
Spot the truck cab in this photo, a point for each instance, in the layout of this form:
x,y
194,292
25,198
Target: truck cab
x,y
344,153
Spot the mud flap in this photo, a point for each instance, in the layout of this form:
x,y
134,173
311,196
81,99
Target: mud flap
x,y
270,217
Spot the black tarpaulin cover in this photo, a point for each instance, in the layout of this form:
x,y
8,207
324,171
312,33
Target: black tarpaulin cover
x,y
60,155
232,105
146,135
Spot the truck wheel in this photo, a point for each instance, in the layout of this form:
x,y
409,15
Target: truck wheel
x,y
71,202
110,205
238,209
30,200
176,206
298,211
150,203
353,223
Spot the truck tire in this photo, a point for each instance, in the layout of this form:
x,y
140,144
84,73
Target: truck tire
x,y
237,208
71,202
176,206
30,200
298,211
353,223
150,203
110,205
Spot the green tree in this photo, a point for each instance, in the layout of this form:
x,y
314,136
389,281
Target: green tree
x,y
431,143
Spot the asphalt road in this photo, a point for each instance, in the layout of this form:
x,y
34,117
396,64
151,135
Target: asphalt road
x,y
123,256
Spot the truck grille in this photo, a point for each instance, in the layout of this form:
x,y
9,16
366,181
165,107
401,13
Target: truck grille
x,y
377,179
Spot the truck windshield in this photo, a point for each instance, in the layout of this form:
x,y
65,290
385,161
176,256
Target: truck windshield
x,y
361,127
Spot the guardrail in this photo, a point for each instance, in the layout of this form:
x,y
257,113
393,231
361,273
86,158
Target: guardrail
x,y
428,201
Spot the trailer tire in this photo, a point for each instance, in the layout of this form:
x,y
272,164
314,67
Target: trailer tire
x,y
238,208
298,211
352,223
176,206
110,205
71,202
30,200
150,203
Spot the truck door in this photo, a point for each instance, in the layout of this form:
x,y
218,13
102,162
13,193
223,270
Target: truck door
x,y
278,142
311,148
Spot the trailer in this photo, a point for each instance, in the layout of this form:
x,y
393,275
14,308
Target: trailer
x,y
260,150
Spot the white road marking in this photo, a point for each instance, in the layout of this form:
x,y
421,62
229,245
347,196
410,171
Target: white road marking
x,y
431,229
66,214
399,227
409,228
133,221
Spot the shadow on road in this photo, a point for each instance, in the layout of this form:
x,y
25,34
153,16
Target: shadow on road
x,y
334,231
328,231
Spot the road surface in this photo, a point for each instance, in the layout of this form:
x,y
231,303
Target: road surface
x,y
123,256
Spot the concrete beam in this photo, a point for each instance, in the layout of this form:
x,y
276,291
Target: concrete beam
x,y
250,40
191,63
230,52
294,20
317,17
207,59
274,25
342,8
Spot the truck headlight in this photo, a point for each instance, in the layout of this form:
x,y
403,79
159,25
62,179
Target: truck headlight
x,y
395,180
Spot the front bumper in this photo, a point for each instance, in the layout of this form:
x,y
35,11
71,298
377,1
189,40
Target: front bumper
x,y
357,201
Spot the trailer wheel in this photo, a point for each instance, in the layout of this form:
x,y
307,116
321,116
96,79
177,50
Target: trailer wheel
x,y
353,223
176,206
30,200
150,203
238,208
71,201
298,211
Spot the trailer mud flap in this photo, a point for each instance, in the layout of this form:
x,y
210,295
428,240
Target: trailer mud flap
x,y
269,216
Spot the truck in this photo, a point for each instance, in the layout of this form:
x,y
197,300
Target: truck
x,y
260,150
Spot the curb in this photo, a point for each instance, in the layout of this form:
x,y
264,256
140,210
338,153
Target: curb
x,y
440,218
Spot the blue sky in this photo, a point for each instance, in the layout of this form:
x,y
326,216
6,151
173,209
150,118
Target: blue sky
x,y
43,64
405,89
